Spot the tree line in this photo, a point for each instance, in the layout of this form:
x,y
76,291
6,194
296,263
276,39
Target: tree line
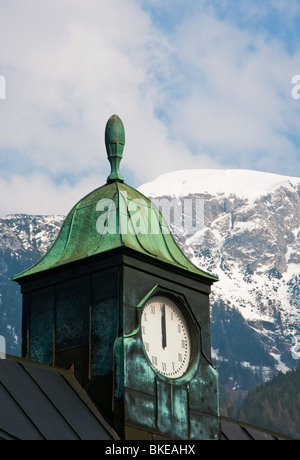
x,y
274,405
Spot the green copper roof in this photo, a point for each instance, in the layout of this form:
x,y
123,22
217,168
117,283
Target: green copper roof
x,y
110,217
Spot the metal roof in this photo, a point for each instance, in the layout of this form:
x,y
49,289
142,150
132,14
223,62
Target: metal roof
x,y
233,430
107,219
38,402
85,234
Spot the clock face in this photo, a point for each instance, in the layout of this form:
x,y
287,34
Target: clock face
x,y
166,337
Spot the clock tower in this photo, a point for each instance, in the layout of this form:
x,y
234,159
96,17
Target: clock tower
x,y
117,299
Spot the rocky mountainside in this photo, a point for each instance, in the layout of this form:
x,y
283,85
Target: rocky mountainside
x,y
23,241
249,237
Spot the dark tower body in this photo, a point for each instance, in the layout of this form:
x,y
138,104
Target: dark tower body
x,y
83,305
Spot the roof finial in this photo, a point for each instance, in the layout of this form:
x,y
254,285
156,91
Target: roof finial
x,y
115,141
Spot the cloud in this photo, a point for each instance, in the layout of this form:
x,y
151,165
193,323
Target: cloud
x,y
237,105
68,68
38,194
193,87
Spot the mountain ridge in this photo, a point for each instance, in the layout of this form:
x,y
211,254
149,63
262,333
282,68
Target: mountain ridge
x,y
250,239
217,181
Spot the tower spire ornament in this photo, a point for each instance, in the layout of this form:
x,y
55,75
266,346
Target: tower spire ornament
x,y
115,141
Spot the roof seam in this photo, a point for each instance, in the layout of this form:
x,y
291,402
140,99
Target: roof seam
x,y
8,434
247,432
102,236
22,409
104,424
118,216
163,235
50,400
70,231
134,232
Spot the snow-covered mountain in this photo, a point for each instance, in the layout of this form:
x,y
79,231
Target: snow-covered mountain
x,y
251,240
23,241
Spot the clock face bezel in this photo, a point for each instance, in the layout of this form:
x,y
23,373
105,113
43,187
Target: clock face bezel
x,y
189,324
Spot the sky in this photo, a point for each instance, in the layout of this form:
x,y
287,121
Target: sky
x,y
198,84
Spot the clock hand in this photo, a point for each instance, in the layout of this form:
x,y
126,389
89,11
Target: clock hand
x,y
163,327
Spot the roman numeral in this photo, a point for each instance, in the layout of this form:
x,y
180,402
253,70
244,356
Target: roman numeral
x,y
154,360
164,367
